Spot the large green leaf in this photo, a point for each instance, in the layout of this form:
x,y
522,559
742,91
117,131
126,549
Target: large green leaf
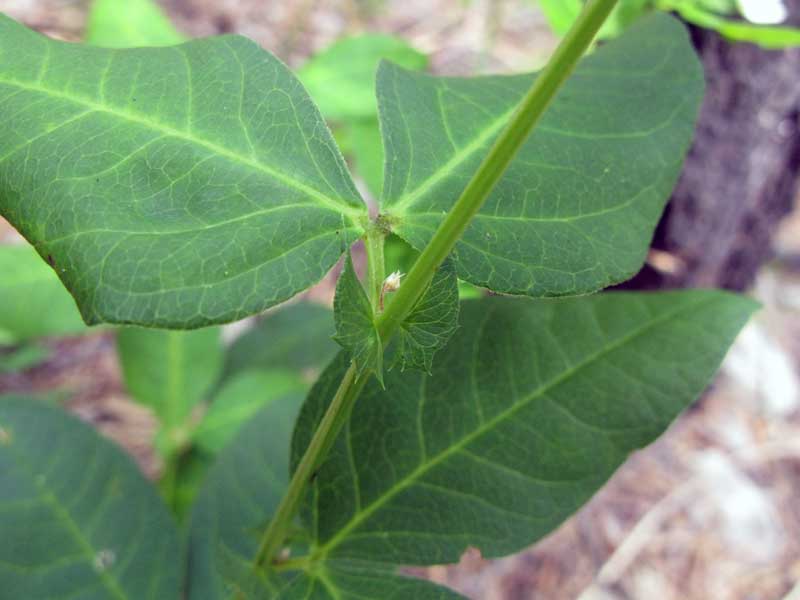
x,y
576,209
170,371
78,520
174,187
129,24
241,492
530,411
354,581
293,337
33,301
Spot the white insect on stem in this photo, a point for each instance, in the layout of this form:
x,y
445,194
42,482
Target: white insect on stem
x,y
390,284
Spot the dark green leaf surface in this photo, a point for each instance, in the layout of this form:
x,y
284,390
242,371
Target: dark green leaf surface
x,y
527,414
240,399
355,324
240,494
174,187
576,209
296,337
78,520
33,301
341,78
354,581
431,323
170,371
129,24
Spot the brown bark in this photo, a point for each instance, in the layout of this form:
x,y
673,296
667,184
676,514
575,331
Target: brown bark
x,y
741,176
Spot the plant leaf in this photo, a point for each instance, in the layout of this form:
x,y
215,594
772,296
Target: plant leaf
x,y
241,398
170,371
355,324
431,323
341,78
534,406
354,581
240,493
129,24
78,518
296,337
34,303
173,187
576,209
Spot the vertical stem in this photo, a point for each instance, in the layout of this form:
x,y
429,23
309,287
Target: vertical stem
x,y
503,151
324,436
491,169
376,270
332,421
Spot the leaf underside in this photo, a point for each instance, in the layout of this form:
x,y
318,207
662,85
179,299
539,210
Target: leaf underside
x,y
530,411
173,187
528,414
78,520
576,210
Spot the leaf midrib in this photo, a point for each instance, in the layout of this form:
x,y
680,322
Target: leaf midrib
x,y
322,552
111,583
405,202
351,212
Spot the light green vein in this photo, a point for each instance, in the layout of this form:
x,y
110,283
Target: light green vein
x,y
351,212
422,469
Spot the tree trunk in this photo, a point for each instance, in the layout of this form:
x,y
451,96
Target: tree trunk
x,y
741,176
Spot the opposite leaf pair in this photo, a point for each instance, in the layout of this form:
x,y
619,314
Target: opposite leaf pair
x,y
198,184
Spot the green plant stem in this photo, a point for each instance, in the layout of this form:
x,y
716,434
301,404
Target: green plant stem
x,y
376,269
503,151
335,416
491,169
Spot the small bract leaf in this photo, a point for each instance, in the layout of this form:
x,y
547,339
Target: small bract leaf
x,y
528,413
576,209
173,187
431,323
355,322
78,518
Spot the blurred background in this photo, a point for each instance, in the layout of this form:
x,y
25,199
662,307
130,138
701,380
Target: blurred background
x,y
712,509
